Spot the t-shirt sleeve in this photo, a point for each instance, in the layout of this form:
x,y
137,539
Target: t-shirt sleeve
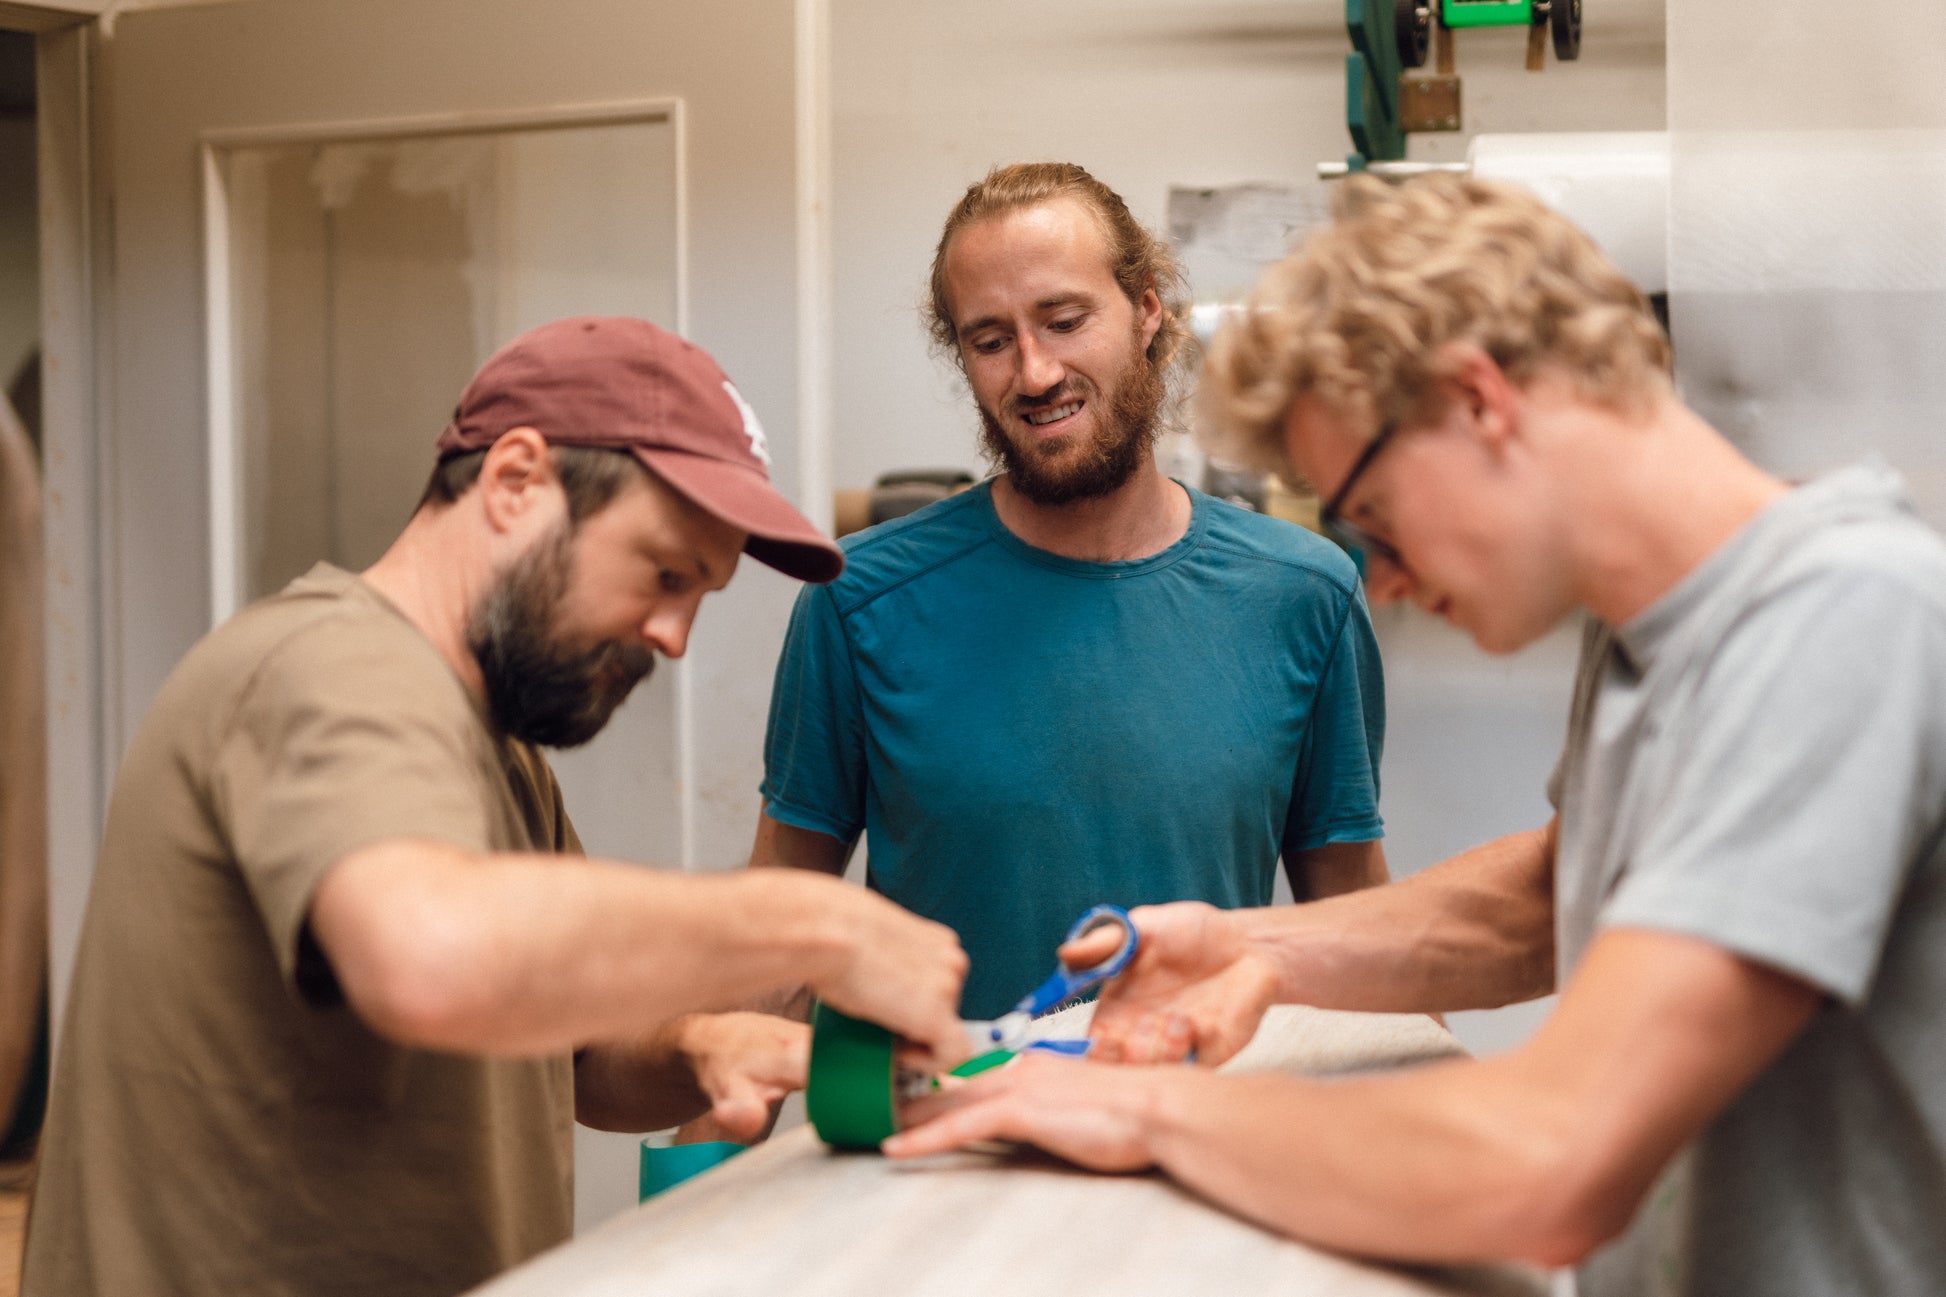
x,y
1335,798
332,748
1811,779
814,750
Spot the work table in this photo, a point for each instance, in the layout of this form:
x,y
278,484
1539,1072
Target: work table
x,y
791,1217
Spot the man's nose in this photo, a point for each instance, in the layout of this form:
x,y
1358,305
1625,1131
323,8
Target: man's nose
x,y
1040,370
667,628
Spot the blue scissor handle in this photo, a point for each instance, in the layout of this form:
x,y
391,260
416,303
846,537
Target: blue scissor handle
x,y
1072,1048
1064,983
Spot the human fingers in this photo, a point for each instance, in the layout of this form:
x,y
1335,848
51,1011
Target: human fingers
x,y
925,1017
739,1050
742,1112
1096,946
1179,1035
1179,945
947,1092
1210,1011
934,1042
906,976
1178,931
944,1050
1158,1038
1088,1114
972,1122
1208,1024
1234,1009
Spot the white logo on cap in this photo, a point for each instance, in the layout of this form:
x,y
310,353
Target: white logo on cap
x,y
759,444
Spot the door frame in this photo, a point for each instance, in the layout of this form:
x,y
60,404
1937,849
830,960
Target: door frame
x,y
225,461
75,466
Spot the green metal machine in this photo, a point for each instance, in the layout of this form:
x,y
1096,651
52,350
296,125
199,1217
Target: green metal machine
x,y
1388,37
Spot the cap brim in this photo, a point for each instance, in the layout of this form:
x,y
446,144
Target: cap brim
x,y
780,536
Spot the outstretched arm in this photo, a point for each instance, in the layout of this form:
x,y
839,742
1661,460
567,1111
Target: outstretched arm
x,y
777,845
519,954
1476,931
1541,1154
1472,932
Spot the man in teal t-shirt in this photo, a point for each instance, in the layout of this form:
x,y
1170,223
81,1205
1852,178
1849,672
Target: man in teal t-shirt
x,y
1080,682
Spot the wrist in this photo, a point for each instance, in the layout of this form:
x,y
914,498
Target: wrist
x,y
798,914
1265,936
687,1040
1165,1111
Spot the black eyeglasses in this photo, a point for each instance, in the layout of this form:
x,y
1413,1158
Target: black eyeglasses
x,y
1350,534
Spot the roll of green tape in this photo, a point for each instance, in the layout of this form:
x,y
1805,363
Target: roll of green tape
x,y
851,1093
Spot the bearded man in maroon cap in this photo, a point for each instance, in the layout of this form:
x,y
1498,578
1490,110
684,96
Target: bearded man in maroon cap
x,y
345,981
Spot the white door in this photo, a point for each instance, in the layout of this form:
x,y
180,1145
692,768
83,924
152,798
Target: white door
x,y
321,214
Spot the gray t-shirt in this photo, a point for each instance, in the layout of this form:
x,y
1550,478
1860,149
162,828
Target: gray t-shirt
x,y
1759,760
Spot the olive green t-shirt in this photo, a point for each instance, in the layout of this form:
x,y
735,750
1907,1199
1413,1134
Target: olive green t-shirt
x,y
221,1122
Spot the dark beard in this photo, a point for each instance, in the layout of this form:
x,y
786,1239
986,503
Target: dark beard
x,y
538,688
1111,457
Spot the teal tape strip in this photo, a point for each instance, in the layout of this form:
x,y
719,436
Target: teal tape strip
x,y
668,1166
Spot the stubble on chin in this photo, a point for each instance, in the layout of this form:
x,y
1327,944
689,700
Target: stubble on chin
x,y
540,688
1082,466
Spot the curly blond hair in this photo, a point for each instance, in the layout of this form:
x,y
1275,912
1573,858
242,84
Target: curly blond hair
x,y
1138,259
1355,315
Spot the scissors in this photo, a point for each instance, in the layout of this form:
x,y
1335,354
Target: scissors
x,y
1009,1030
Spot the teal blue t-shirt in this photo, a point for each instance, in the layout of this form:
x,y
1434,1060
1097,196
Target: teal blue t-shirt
x,y
1021,735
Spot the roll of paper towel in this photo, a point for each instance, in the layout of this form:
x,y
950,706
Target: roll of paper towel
x,y
1614,185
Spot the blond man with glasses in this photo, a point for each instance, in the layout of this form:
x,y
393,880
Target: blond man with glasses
x,y
1741,897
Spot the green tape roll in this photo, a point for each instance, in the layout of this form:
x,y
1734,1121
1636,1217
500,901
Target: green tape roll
x,y
850,1095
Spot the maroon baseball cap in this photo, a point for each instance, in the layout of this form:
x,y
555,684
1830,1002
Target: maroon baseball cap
x,y
622,383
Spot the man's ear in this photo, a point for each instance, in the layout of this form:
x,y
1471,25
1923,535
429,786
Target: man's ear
x,y
514,479
1475,382
1149,311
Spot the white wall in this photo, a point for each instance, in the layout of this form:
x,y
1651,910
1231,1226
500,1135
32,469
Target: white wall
x,y
1144,93
1153,93
1808,259
167,78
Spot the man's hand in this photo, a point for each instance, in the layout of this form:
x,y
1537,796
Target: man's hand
x,y
1091,1115
1196,984
898,970
743,1063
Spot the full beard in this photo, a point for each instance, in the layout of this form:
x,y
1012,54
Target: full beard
x,y
1054,473
539,688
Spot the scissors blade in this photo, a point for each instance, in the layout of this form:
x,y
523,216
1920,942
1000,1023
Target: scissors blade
x,y
1008,1031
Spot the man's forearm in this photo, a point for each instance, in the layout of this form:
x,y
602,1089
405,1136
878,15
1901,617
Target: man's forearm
x,y
1447,1163
786,846
524,955
777,846
1543,1153
1476,931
